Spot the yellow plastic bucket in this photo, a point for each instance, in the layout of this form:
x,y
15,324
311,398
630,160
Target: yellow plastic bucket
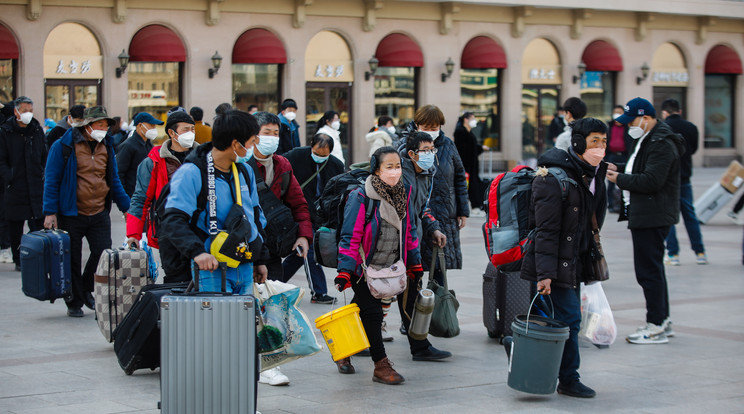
x,y
343,331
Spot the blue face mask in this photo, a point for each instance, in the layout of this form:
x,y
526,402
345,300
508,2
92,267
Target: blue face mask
x,y
267,144
319,159
425,161
248,156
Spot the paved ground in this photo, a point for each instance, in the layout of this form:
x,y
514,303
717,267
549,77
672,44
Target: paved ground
x,y
50,363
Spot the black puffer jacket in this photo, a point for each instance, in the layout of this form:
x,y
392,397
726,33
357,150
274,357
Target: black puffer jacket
x,y
562,243
654,183
23,156
304,167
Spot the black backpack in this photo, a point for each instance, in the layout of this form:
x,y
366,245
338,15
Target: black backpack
x,y
281,228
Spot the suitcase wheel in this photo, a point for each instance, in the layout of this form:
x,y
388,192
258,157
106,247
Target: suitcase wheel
x,y
492,334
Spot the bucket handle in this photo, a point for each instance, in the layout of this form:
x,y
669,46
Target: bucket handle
x,y
552,309
335,297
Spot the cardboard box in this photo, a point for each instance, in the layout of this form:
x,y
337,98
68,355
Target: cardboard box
x,y
733,178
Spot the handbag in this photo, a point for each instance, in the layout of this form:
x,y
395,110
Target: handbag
x,y
387,282
444,323
600,270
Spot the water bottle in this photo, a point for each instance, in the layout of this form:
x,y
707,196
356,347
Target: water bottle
x,y
422,309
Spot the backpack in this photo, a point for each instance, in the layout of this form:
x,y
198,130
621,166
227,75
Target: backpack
x,y
281,228
507,206
330,208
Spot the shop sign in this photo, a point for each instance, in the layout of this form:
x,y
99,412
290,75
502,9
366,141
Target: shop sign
x,y
546,75
670,78
329,71
73,67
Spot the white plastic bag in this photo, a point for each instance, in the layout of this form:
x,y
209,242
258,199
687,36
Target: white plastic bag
x,y
597,322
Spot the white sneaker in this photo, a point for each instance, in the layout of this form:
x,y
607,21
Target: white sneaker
x,y
476,212
735,218
649,334
273,377
667,325
6,256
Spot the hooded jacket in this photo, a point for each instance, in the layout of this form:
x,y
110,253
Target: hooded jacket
x,y
23,155
655,180
560,248
338,151
378,139
689,133
129,155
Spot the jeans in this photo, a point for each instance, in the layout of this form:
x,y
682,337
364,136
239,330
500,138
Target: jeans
x,y
238,283
293,263
15,228
648,256
567,305
97,230
691,224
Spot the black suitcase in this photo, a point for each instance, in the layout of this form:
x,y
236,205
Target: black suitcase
x,y
137,337
505,295
45,265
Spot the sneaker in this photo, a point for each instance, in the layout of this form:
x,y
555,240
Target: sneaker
x,y
386,337
735,218
667,325
701,259
649,334
75,312
322,299
6,256
273,377
671,260
476,212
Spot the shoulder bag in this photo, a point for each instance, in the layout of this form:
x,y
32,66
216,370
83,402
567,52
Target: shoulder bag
x,y
444,323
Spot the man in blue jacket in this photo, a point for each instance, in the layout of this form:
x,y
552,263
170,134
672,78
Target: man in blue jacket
x,y
81,179
289,130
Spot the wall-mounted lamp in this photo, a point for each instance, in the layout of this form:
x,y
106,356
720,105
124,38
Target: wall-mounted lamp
x,y
582,71
644,71
373,63
216,63
123,63
450,66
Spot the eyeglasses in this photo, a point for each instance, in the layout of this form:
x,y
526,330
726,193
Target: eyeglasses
x,y
427,152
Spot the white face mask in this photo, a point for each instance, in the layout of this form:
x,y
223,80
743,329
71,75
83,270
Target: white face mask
x,y
615,116
26,117
124,126
636,132
432,134
186,139
336,125
97,134
473,123
290,116
391,129
71,121
151,134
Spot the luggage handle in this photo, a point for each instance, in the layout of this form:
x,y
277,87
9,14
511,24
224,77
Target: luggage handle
x,y
194,284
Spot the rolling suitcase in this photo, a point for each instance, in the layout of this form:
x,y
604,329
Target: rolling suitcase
x,y
45,265
137,338
505,295
711,202
209,356
120,275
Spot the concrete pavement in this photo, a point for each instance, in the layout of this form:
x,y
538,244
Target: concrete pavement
x,y
50,363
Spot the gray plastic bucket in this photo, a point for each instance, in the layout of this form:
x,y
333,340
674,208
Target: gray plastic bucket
x,y
536,353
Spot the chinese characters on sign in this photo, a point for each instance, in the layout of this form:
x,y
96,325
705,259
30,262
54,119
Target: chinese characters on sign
x,y
542,74
329,71
74,67
671,77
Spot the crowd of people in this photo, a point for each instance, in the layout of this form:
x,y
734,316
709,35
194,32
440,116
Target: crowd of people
x,y
202,197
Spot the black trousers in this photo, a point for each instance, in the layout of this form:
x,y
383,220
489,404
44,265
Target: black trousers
x,y
4,231
97,231
648,256
176,266
405,317
15,229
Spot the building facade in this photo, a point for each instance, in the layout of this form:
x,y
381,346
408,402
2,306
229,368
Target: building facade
x,y
510,62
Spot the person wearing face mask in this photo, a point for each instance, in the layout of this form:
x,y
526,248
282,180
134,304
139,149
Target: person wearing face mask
x,y
131,152
650,181
469,150
23,156
189,213
575,109
289,130
153,173
563,222
381,135
618,143
313,166
73,119
330,124
388,237
81,181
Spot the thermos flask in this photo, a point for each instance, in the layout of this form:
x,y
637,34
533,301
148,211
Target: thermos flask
x,y
421,318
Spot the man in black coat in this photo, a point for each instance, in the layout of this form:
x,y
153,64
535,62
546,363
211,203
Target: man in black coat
x,y
650,185
23,156
73,119
131,152
672,114
560,257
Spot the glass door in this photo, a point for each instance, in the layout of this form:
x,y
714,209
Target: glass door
x,y
326,96
62,94
539,103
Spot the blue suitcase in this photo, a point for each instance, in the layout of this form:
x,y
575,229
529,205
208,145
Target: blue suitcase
x,y
45,265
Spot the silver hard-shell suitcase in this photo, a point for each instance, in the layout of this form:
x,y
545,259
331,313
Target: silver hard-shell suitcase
x,y
711,202
208,353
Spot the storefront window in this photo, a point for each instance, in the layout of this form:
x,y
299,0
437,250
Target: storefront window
x,y
154,87
479,93
6,80
256,84
598,92
719,110
395,94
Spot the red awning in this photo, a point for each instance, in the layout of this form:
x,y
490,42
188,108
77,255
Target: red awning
x,y
600,56
398,50
8,45
483,53
156,43
723,60
258,46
